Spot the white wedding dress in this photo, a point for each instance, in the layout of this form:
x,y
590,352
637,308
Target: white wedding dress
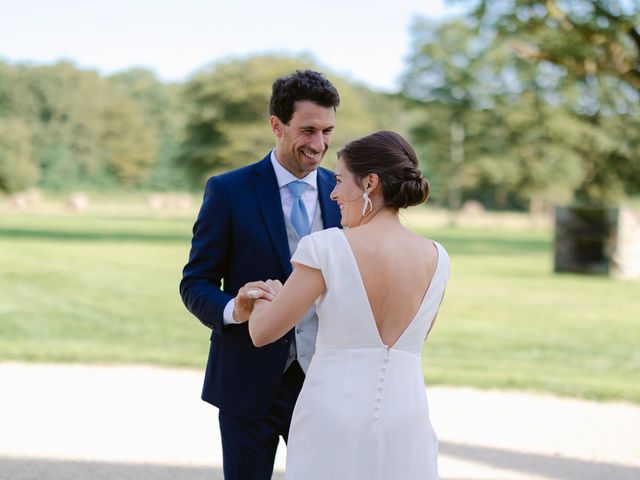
x,y
362,413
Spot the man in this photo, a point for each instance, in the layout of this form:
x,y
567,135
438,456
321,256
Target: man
x,y
248,227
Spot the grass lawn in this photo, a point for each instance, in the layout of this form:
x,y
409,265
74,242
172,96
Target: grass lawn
x,y
102,287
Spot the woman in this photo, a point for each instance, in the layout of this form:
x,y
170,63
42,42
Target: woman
x,y
362,413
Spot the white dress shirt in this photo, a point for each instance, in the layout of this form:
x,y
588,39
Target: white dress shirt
x,y
309,197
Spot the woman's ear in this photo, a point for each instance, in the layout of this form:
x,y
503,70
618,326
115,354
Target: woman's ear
x,y
371,182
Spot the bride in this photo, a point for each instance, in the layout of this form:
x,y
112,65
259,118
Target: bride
x,y
362,413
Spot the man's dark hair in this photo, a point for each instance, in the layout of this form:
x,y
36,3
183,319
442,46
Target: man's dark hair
x,y
301,85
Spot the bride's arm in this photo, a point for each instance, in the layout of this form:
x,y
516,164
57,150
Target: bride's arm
x,y
270,320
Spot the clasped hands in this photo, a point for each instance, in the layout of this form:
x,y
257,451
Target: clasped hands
x,y
249,294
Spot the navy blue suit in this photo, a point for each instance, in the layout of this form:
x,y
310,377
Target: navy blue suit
x,y
239,237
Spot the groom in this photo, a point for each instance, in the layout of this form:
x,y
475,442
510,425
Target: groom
x,y
248,227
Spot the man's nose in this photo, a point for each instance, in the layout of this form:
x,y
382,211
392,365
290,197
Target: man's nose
x,y
317,142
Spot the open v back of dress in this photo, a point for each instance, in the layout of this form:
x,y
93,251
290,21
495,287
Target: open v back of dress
x,y
365,296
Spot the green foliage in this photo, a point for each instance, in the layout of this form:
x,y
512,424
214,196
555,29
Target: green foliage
x,y
228,108
523,151
450,64
63,106
228,116
519,105
586,37
164,113
529,133
593,48
88,131
454,72
17,169
129,141
132,130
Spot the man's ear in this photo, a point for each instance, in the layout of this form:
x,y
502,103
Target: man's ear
x,y
277,126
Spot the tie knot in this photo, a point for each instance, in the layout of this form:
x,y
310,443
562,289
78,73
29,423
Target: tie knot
x,y
297,187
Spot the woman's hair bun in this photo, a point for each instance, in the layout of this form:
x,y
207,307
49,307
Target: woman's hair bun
x,y
395,162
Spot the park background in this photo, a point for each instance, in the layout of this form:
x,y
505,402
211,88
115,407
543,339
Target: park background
x,y
514,107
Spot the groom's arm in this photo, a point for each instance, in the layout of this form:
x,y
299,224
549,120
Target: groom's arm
x,y
202,275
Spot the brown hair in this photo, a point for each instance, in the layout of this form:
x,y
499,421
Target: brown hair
x,y
395,162
301,85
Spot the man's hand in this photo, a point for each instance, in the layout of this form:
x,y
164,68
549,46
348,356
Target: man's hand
x,y
247,295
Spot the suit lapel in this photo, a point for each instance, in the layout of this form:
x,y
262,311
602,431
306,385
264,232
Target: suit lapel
x,y
265,184
329,208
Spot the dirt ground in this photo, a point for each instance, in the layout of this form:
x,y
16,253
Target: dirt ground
x,y
76,422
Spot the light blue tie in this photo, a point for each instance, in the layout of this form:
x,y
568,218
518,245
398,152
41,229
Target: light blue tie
x,y
299,217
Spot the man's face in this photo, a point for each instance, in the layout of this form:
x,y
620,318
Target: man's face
x,y
302,143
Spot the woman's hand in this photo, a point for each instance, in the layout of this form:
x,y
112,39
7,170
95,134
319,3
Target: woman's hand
x,y
249,293
275,285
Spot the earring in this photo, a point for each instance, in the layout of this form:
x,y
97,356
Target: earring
x,y
367,202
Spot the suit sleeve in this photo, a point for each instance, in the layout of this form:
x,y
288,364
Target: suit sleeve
x,y
202,276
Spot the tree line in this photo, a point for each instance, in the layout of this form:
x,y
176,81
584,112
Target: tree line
x,y
519,104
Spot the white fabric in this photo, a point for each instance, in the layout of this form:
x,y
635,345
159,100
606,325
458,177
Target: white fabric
x,y
227,314
362,413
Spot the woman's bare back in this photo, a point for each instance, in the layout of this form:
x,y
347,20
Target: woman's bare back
x,y
396,267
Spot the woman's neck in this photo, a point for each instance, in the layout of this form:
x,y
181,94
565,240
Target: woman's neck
x,y
385,215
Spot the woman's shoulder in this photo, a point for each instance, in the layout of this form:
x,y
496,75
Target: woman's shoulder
x,y
435,246
314,249
321,241
443,260
434,252
323,236
423,243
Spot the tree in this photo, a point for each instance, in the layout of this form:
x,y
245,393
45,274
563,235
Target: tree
x,y
228,126
88,131
453,73
129,141
226,105
587,37
162,109
594,46
63,106
522,154
527,133
17,168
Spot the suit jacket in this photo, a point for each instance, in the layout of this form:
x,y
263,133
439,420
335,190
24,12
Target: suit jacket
x,y
240,236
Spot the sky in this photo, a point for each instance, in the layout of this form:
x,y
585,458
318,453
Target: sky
x,y
364,40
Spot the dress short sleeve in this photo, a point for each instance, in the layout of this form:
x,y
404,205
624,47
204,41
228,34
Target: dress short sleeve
x,y
306,253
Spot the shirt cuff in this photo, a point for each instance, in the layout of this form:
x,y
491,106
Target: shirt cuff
x,y
227,315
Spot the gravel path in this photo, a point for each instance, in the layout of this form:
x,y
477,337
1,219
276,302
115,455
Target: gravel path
x,y
77,422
